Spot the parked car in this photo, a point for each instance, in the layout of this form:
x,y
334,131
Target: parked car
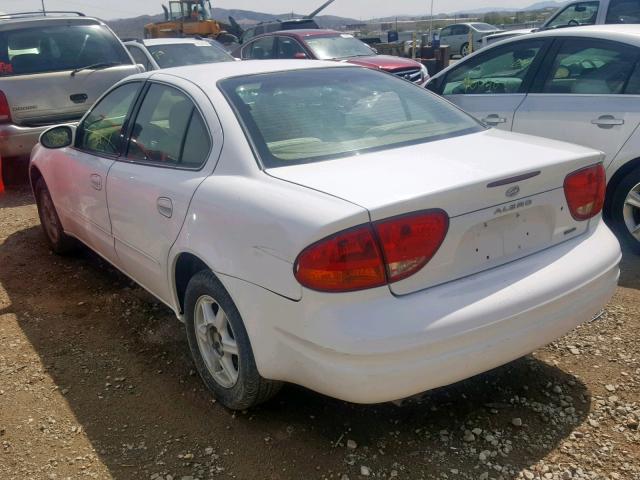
x,y
329,45
580,85
581,13
457,36
52,69
159,53
348,231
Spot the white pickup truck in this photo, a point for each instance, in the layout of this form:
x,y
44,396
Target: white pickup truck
x,y
580,13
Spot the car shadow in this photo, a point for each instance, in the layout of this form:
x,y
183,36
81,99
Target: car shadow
x,y
120,360
630,269
16,196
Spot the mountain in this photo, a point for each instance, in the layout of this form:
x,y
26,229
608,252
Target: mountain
x,y
536,6
133,27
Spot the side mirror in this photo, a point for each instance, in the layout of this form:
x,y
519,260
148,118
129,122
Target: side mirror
x,y
300,56
57,137
374,50
141,68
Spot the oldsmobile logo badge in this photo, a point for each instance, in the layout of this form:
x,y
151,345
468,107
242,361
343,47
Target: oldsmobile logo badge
x,y
513,191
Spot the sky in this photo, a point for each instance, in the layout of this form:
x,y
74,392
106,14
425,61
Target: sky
x,y
359,9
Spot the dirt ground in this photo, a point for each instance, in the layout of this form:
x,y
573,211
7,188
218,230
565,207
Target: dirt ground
x,y
96,382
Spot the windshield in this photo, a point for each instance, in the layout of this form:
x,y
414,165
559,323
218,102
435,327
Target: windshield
x,y
484,27
339,46
56,48
180,54
318,114
584,13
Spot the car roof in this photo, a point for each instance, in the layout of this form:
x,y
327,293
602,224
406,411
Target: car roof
x,y
623,33
306,32
12,23
169,41
209,74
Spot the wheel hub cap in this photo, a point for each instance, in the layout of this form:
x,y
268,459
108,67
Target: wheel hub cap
x,y
216,341
631,211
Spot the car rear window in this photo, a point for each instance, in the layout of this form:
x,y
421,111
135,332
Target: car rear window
x,y
326,113
56,48
180,54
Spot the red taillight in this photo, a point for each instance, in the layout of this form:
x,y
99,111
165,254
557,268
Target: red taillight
x,y
349,260
355,259
585,190
5,111
410,241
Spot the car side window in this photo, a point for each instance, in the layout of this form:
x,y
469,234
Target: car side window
x,y
445,32
587,67
289,48
500,70
260,49
623,11
583,13
101,130
139,56
168,130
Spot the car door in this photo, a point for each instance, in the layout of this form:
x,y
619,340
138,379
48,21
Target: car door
x,y
140,57
84,167
174,143
491,85
260,49
584,95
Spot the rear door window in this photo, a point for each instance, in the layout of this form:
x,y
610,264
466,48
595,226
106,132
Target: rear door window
x,y
58,48
587,67
260,49
623,11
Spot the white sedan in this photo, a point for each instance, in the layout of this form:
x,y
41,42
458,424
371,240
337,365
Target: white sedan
x,y
330,225
580,85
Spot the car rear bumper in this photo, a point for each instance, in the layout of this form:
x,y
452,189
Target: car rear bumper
x,y
370,346
18,141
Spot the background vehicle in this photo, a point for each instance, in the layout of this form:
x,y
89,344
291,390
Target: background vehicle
x,y
329,45
176,52
190,18
579,85
581,13
457,36
307,22
52,69
264,243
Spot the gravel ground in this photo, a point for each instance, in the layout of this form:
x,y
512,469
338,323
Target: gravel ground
x,y
96,382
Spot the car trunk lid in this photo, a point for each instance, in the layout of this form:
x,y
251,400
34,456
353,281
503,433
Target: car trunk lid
x,y
503,193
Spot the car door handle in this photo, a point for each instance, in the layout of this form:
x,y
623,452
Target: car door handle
x,y
607,121
96,181
165,207
494,119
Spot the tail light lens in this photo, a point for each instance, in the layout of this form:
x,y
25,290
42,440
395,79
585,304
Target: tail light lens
x,y
410,241
5,111
358,258
349,260
585,191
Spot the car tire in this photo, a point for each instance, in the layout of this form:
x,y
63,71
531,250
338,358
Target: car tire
x,y
220,345
59,242
464,49
623,215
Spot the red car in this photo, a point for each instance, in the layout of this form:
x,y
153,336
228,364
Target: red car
x,y
328,45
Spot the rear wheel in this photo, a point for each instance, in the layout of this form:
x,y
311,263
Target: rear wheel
x,y
58,241
220,345
624,212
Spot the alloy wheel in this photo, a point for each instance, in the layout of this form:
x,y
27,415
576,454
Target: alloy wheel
x,y
216,341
